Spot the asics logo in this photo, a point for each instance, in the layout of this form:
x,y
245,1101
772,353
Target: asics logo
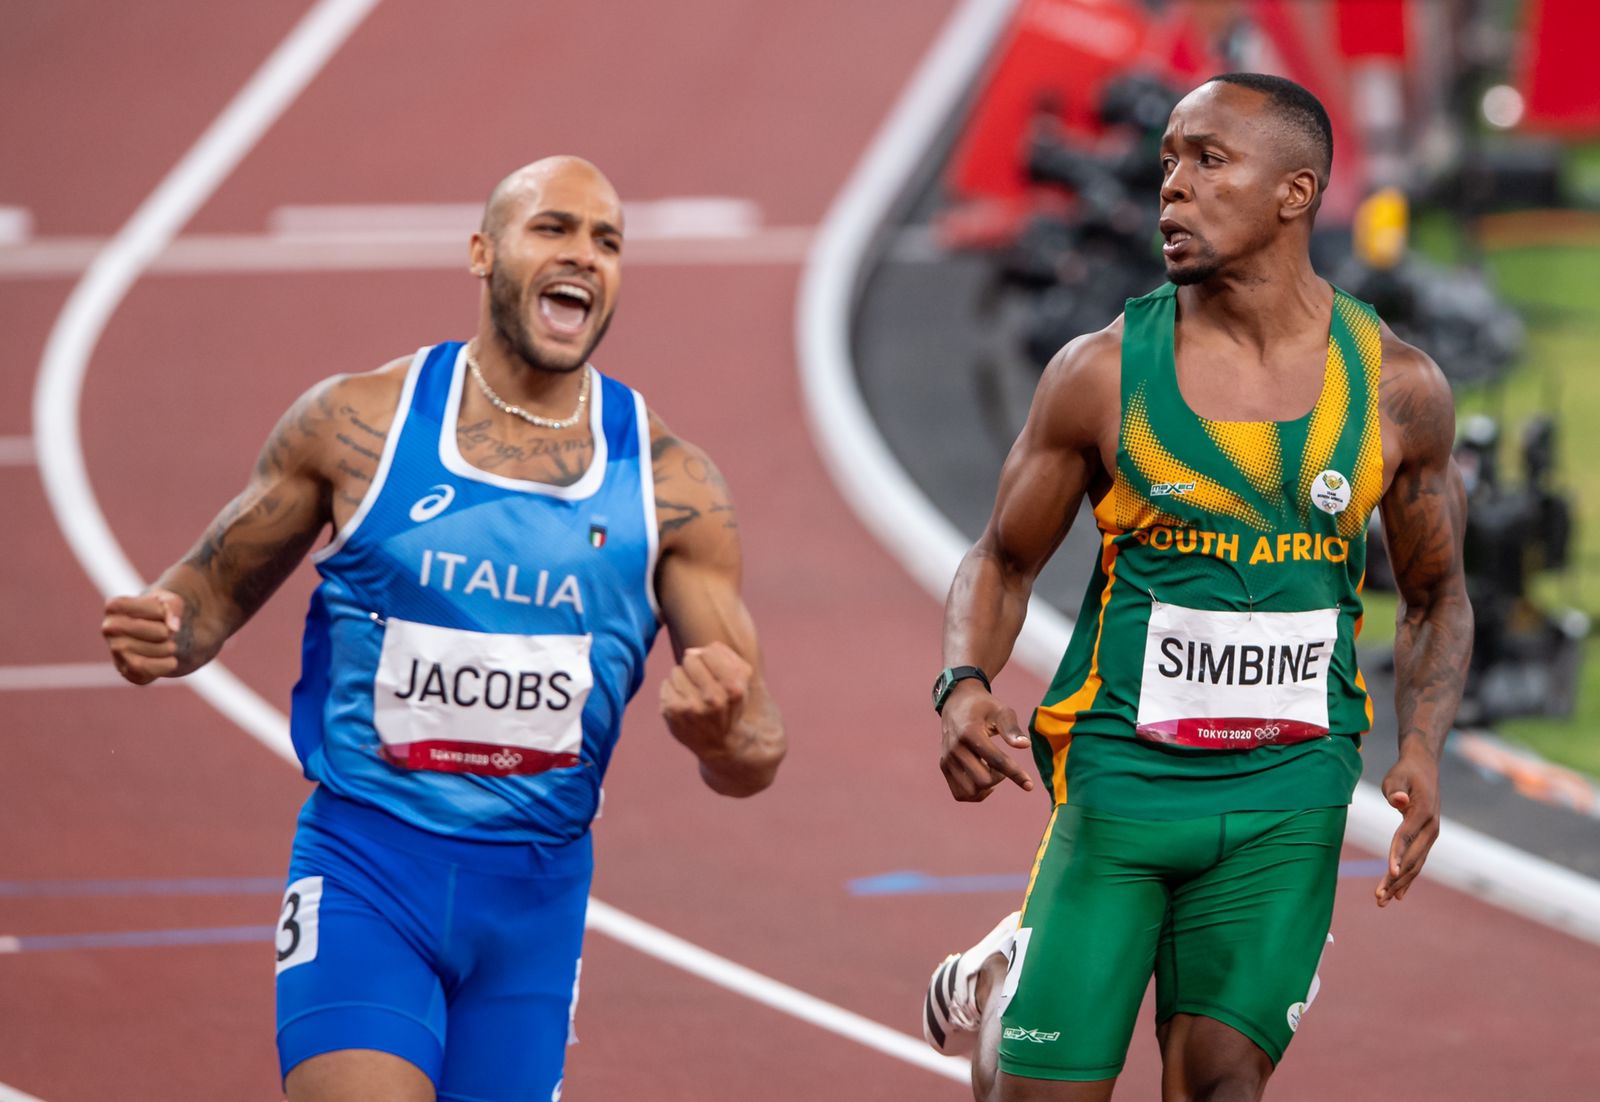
x,y
431,505
505,759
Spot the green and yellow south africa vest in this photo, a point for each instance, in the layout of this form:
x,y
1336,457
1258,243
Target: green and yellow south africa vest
x,y
1213,665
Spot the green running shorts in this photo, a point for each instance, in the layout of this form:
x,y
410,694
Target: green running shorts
x,y
1229,913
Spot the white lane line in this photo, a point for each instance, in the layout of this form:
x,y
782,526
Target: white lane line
x,y
1484,866
16,225
882,494
62,675
17,451
895,510
89,308
398,250
683,230
12,1094
691,216
657,943
77,330
456,220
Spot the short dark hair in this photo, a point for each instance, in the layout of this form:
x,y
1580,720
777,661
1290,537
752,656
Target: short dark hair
x,y
1297,108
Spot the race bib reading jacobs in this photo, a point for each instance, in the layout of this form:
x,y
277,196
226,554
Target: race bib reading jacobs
x,y
479,702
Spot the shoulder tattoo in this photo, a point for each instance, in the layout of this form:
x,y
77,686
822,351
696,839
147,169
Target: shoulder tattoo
x,y
689,487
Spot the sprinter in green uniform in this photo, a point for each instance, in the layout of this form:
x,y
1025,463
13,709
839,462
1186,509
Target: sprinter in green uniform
x,y
1201,739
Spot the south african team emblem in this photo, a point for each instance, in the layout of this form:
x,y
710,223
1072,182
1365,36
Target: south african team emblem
x,y
1330,492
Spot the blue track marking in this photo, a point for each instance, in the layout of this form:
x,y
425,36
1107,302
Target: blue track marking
x,y
921,883
190,885
910,882
136,939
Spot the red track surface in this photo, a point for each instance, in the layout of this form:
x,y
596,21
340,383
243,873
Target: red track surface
x,y
1441,998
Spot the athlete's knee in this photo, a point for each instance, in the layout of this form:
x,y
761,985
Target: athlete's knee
x,y
1015,1088
351,1075
1241,1087
1235,1078
1219,1063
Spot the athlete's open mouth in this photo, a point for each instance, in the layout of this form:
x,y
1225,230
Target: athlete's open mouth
x,y
565,306
1176,236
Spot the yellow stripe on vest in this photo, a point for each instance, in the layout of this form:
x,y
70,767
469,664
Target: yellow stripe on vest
x,y
1158,465
1055,721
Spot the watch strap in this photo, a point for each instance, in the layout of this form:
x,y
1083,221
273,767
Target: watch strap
x,y
952,676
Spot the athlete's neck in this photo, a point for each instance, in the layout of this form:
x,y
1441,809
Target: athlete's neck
x,y
1268,301
547,391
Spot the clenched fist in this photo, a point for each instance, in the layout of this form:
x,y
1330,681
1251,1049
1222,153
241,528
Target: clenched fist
x,y
703,696
142,633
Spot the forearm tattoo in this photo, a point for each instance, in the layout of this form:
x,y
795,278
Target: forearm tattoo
x,y
1424,518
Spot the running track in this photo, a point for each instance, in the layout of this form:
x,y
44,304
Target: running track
x,y
1441,998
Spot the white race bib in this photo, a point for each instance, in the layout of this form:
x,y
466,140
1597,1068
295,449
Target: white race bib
x,y
477,702
1233,680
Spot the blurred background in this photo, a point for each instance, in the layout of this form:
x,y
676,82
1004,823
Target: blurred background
x,y
1464,204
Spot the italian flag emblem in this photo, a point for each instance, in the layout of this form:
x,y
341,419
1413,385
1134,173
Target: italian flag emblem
x,y
597,535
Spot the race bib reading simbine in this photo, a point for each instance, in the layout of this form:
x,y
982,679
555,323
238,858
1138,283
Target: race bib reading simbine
x,y
477,702
1234,680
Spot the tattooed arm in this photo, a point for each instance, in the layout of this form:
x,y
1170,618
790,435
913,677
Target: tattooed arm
x,y
1424,517
313,470
715,701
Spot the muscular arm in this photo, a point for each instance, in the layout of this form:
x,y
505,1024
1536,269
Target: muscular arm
x,y
1424,517
258,538
1050,468
314,468
715,701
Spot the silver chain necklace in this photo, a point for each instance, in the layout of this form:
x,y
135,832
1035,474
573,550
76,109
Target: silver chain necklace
x,y
504,406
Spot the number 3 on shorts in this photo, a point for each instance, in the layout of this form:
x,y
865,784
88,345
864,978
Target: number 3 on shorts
x,y
297,922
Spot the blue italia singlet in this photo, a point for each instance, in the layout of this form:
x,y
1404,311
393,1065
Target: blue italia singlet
x,y
475,638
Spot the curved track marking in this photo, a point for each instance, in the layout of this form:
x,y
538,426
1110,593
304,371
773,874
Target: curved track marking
x,y
12,1094
95,298
59,387
880,492
895,510
655,942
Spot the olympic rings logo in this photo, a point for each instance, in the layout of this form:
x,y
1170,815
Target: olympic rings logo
x,y
505,759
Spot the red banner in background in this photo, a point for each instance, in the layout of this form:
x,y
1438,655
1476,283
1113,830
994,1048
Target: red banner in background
x,y
1560,80
1060,54
1372,29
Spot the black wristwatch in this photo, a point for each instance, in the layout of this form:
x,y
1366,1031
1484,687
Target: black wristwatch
x,y
947,680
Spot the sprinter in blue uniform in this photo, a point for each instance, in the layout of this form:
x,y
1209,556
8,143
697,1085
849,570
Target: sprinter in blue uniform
x,y
508,529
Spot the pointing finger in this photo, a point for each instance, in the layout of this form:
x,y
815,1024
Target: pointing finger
x,y
1000,762
974,768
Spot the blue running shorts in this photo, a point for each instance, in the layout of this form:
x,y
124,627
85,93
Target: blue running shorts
x,y
459,957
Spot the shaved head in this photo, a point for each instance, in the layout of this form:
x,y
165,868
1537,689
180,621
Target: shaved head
x,y
528,181
1302,132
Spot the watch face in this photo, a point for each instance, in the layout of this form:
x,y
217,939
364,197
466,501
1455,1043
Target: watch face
x,y
947,681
